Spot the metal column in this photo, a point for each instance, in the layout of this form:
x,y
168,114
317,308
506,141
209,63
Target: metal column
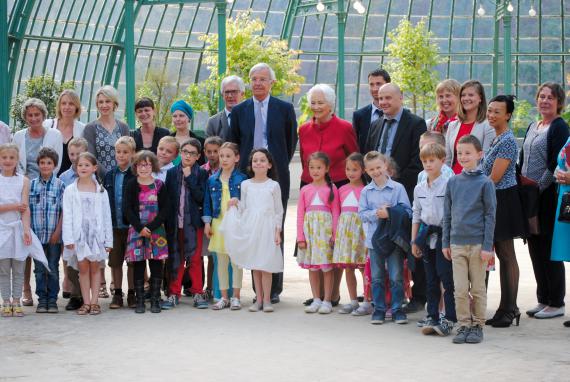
x,y
130,62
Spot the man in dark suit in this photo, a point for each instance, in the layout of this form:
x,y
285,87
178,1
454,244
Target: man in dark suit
x,y
266,121
363,117
397,135
233,91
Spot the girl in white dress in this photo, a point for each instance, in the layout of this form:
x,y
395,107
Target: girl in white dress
x,y
252,231
17,241
87,230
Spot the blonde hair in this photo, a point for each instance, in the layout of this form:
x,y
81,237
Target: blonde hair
x,y
170,140
11,146
449,85
432,150
436,137
373,155
79,142
34,102
110,92
127,141
74,99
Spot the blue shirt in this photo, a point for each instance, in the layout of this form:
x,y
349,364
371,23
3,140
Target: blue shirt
x,y
68,176
503,146
119,199
393,130
373,197
46,198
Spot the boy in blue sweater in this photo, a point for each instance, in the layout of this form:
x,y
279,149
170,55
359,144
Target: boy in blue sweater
x,y
468,226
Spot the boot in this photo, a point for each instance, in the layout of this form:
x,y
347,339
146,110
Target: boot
x,y
155,285
139,293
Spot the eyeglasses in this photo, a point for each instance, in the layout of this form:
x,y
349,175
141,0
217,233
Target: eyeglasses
x,y
231,92
144,164
192,153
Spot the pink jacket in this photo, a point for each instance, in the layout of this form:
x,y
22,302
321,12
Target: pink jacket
x,y
306,197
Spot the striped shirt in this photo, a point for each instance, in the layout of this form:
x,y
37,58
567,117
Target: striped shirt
x,y
46,198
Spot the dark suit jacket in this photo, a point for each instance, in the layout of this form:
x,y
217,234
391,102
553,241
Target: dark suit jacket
x,y
405,150
281,136
159,132
361,125
218,125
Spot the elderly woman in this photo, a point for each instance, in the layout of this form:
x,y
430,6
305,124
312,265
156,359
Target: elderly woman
x,y
5,136
182,114
102,133
68,111
147,136
538,160
500,165
471,120
447,99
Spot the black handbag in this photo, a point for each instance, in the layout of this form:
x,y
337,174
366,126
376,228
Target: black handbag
x,y
564,213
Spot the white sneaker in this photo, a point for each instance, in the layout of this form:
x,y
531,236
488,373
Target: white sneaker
x,y
348,308
235,304
254,308
314,307
363,310
268,308
326,308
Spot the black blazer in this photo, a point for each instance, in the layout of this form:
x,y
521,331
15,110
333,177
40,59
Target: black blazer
x,y
405,150
361,125
109,184
281,136
218,125
159,132
131,206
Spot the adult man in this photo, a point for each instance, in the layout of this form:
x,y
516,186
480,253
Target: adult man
x,y
364,117
397,135
232,91
266,121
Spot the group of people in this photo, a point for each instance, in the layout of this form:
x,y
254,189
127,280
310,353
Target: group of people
x,y
419,207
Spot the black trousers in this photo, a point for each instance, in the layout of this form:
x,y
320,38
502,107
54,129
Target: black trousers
x,y
550,275
156,267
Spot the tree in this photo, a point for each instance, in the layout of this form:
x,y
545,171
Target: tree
x,y
43,87
411,62
158,87
245,48
522,117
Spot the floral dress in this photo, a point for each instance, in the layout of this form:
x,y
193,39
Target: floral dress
x,y
349,249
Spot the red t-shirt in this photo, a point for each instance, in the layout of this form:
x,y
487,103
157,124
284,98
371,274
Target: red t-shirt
x,y
464,129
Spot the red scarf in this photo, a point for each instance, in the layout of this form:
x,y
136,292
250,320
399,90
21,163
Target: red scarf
x,y
440,122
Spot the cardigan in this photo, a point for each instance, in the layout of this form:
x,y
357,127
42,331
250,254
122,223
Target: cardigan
x,y
305,203
131,206
482,130
78,126
157,135
52,139
73,216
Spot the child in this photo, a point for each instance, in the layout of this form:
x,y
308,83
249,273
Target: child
x,y
468,226
224,185
115,183
87,231
75,147
349,250
46,194
317,217
426,240
185,183
434,137
146,208
17,241
379,196
261,211
167,151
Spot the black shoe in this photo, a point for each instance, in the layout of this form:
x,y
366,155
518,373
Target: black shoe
x,y
74,303
66,295
360,298
498,316
335,302
414,306
308,301
567,324
275,299
507,319
155,295
139,295
187,292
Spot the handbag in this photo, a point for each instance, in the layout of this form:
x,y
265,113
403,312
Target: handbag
x,y
564,213
529,193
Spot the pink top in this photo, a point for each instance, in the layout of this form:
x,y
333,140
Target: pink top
x,y
316,198
349,196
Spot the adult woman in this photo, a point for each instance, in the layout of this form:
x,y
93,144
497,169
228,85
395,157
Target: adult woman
x,y
102,133
67,110
148,135
447,99
471,120
182,114
500,165
335,137
538,159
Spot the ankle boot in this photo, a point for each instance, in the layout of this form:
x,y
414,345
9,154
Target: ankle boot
x,y
155,285
139,293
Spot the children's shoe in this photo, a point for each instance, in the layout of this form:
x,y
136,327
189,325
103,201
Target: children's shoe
x,y
52,307
116,302
27,299
365,309
314,307
378,318
208,294
169,303
399,317
131,299
42,307
348,308
325,308
461,335
200,301
103,291
17,310
221,304
254,308
389,314
66,295
235,304
268,308
444,327
6,310
475,335
429,327
421,323
74,303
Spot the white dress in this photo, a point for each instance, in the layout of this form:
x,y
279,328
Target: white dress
x,y
11,227
249,231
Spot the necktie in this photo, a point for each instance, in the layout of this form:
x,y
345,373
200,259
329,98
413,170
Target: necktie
x,y
375,115
229,119
258,132
386,136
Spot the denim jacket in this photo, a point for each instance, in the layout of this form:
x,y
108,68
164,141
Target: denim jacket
x,y
213,196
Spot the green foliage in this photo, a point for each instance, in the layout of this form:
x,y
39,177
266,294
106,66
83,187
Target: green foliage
x,y
245,48
305,109
522,117
566,113
158,87
42,87
411,61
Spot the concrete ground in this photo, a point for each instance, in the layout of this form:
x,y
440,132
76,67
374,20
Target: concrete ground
x,y
288,345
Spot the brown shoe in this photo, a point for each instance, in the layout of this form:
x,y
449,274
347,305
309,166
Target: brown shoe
x,y
131,300
116,302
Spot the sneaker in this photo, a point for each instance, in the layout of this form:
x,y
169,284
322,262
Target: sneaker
x,y
308,301
429,326
235,304
348,308
399,317
6,310
221,304
268,308
52,307
208,294
422,322
461,335
378,318
444,328
475,335
200,301
389,314
254,308
116,302
169,303
365,309
314,307
325,308
17,310
42,307
275,299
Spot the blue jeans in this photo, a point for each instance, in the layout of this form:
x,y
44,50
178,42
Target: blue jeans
x,y
47,283
395,262
439,270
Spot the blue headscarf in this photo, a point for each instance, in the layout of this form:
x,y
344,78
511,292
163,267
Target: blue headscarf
x,y
184,107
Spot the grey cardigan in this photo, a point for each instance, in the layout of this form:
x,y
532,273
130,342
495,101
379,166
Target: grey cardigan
x,y
482,131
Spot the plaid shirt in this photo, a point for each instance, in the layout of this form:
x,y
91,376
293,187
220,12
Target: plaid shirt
x,y
46,199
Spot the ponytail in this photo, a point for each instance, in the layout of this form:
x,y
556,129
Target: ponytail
x,y
330,183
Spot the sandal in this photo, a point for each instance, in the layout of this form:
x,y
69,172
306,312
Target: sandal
x,y
17,310
95,309
7,310
27,299
84,310
103,291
